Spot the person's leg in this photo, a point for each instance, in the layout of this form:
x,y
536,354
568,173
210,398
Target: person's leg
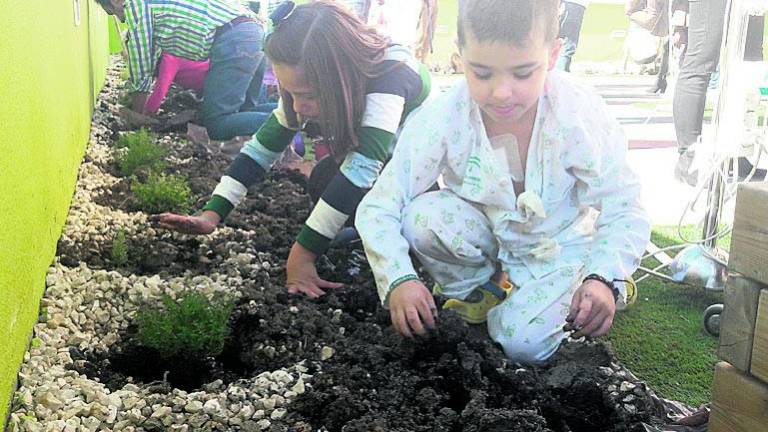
x,y
254,90
529,323
570,29
661,78
266,107
235,58
705,32
453,240
753,51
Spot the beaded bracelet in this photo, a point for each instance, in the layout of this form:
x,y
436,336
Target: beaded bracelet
x,y
609,284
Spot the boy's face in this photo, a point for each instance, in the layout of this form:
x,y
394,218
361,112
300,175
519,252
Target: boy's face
x,y
506,80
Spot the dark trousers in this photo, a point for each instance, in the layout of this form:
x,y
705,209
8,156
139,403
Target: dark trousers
x,y
570,29
706,20
231,92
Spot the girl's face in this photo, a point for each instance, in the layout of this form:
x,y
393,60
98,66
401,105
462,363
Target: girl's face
x,y
305,99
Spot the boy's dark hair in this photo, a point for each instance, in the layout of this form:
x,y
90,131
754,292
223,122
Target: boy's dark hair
x,y
512,21
338,54
104,3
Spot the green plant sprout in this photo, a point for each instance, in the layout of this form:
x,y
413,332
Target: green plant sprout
x,y
162,193
119,253
191,326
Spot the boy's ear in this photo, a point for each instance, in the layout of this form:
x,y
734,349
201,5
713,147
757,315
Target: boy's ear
x,y
554,52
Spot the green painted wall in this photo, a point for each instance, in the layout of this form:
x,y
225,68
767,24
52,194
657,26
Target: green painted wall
x,y
50,74
603,33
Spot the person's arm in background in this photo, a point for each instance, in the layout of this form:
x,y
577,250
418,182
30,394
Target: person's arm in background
x,y
166,72
633,6
648,16
679,22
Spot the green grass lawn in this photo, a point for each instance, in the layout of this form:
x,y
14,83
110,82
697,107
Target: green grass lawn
x,y
661,338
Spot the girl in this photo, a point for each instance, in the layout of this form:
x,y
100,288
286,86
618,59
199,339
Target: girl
x,y
335,70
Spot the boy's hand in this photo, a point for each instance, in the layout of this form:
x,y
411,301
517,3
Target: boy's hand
x,y
592,309
301,274
203,224
411,305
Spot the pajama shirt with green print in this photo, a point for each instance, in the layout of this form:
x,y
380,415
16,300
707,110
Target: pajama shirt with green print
x,y
580,212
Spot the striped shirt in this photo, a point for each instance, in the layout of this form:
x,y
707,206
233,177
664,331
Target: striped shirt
x,y
183,28
389,100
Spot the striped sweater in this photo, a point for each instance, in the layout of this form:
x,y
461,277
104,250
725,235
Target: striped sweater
x,y
183,28
389,100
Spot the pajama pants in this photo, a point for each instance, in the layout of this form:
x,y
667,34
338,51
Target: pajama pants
x,y
454,242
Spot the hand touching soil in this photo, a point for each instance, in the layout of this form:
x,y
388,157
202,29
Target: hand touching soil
x,y
592,310
411,307
301,274
203,224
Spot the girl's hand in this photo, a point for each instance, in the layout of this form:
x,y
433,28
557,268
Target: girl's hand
x,y
592,310
203,224
302,275
411,307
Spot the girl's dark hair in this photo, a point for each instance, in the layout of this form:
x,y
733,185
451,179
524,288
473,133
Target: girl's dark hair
x,y
338,54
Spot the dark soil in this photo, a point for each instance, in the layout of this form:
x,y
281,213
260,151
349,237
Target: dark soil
x,y
456,379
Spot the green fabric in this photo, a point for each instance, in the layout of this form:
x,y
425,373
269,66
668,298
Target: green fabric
x,y
374,143
220,205
401,280
273,136
313,240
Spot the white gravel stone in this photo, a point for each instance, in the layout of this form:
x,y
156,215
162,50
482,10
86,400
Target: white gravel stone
x,y
326,352
193,406
213,407
626,386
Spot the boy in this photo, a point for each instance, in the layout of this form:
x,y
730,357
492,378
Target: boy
x,y
525,155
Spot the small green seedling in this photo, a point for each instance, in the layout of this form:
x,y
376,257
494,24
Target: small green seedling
x,y
191,326
119,253
162,193
141,153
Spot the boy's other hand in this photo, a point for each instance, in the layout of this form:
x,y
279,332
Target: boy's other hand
x,y
411,306
203,224
301,273
592,309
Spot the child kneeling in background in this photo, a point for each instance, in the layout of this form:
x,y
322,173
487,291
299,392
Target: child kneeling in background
x,y
527,157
